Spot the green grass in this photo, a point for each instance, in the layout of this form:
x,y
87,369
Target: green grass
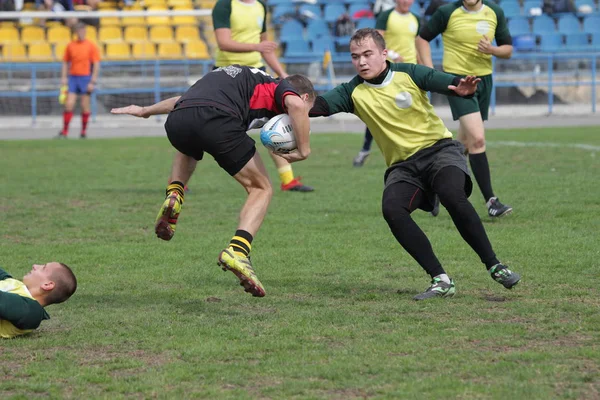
x,y
155,319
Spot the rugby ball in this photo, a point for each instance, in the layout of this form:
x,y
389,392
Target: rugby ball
x,y
277,134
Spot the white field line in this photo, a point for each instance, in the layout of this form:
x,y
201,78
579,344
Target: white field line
x,y
580,146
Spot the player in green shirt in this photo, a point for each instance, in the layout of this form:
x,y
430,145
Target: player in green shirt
x,y
423,161
468,28
22,302
241,32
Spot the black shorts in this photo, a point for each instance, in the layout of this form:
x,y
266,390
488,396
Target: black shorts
x,y
421,168
195,130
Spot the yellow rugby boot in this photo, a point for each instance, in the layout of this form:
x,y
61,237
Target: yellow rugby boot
x,y
242,268
166,219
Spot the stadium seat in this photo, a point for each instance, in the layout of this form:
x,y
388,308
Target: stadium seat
x,y
356,7
590,3
161,34
59,51
32,34
110,21
568,24
525,42
591,24
117,51
543,24
144,50
577,41
291,30
169,51
314,9
596,41
135,34
184,20
528,5
196,50
40,52
108,6
365,23
281,10
59,34
333,11
9,35
416,9
158,19
180,4
297,48
323,44
91,33
316,29
129,21
187,33
14,52
109,34
511,9
149,4
551,42
518,26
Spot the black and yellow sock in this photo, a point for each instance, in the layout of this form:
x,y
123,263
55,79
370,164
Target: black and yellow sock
x,y
241,243
177,187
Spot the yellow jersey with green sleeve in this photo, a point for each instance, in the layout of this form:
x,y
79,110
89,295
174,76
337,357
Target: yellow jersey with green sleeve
x,y
397,111
461,32
247,22
400,33
20,313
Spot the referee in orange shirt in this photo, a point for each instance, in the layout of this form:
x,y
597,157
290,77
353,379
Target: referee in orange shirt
x,y
82,61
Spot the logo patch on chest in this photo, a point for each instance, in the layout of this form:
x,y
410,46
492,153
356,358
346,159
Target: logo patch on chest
x,y
403,100
482,27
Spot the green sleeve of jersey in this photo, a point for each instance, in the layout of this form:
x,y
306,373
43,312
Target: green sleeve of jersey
x,y
502,32
20,311
382,20
426,78
4,275
339,99
439,21
221,14
264,27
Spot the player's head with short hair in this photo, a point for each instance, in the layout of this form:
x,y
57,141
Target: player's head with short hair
x,y
368,52
303,85
51,283
80,30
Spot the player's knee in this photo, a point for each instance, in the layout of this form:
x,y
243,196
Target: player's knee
x,y
392,212
478,142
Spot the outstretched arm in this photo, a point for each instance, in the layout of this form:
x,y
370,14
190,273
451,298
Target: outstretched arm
x,y
162,107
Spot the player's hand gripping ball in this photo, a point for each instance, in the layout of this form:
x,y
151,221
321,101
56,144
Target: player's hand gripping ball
x,y
277,135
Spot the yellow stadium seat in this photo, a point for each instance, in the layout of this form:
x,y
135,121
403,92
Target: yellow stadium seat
x,y
117,51
29,7
59,34
135,34
7,24
155,3
206,4
144,50
59,50
129,21
109,34
196,50
110,21
91,33
180,4
32,34
184,20
161,34
107,6
40,52
187,33
158,19
14,52
9,35
169,51
133,7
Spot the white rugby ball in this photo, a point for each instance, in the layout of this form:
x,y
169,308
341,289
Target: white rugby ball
x,y
277,134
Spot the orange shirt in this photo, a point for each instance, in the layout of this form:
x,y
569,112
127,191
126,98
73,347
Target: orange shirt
x,y
81,55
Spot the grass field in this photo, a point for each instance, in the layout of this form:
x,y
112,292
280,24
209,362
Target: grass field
x,y
155,319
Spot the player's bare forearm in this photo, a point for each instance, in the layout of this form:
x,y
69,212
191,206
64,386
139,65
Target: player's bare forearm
x,y
226,43
297,110
504,51
63,72
272,61
95,71
162,107
424,52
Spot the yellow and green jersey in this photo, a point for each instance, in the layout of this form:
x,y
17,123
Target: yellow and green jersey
x,y
400,33
20,313
397,111
461,32
247,22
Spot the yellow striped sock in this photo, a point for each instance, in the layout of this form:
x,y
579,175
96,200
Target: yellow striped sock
x,y
286,174
240,246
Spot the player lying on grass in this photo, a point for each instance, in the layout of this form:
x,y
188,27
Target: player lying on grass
x,y
423,161
213,117
22,302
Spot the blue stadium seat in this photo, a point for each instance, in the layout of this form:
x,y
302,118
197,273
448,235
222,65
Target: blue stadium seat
x,y
529,4
524,43
511,9
365,23
591,24
278,2
312,8
316,29
322,45
551,42
281,10
297,48
291,30
518,26
416,9
577,41
351,1
333,11
568,24
579,3
543,24
596,41
358,7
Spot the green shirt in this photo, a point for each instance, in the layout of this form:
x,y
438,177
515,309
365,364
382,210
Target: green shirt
x,y
247,21
397,111
20,313
400,31
461,32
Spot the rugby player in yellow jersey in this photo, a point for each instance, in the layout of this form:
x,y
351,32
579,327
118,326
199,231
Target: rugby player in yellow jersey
x,y
241,32
468,28
423,161
22,302
399,27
